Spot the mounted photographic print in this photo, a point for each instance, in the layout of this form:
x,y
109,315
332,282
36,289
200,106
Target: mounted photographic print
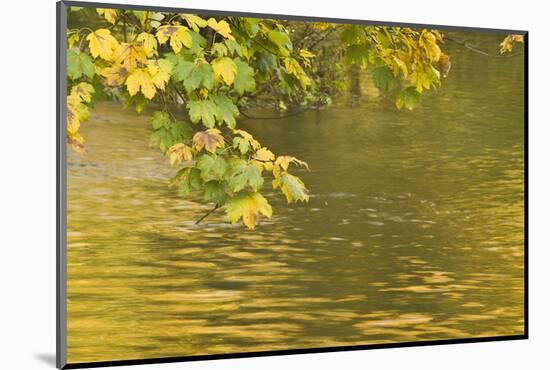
x,y
235,185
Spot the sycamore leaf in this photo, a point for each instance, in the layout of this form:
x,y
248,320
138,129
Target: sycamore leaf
x,y
178,153
181,67
148,43
358,54
72,39
264,155
130,55
244,80
194,21
242,174
79,64
241,144
83,91
294,68
226,110
383,78
408,98
245,135
149,79
292,187
214,191
428,41
210,139
160,72
219,49
221,27
187,180
77,112
179,36
234,47
109,14
285,160
248,206
212,167
102,44
115,75
306,54
202,110
508,43
225,68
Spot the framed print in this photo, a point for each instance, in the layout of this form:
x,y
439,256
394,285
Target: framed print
x,y
236,184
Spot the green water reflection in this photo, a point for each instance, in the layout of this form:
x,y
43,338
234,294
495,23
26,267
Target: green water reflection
x,y
414,230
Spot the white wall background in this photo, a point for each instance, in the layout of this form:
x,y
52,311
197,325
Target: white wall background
x,y
27,183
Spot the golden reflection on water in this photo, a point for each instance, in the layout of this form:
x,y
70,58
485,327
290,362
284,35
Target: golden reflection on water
x,y
423,242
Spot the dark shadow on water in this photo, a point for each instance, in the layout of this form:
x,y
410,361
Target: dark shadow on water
x,y
47,358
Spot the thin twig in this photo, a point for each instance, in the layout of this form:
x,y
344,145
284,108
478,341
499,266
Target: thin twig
x,y
206,214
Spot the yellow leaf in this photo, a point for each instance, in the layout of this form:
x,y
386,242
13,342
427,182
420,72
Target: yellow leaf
x,y
150,78
248,206
294,68
140,79
292,187
109,14
83,91
221,27
306,54
428,41
115,75
77,112
285,160
178,153
149,43
508,43
225,68
130,55
245,135
264,155
194,21
210,139
178,35
73,39
160,72
102,44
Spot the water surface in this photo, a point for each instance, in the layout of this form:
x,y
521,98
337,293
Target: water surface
x,y
414,230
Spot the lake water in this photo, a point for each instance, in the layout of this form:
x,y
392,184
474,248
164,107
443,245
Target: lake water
x,y
414,230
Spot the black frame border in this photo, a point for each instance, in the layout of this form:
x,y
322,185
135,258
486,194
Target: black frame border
x,y
61,183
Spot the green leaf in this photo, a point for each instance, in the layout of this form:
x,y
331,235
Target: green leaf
x,y
181,67
200,75
219,49
281,40
358,54
383,78
353,34
244,80
160,119
202,110
292,187
188,180
408,98
242,174
234,47
214,191
247,206
226,110
212,167
242,144
79,64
